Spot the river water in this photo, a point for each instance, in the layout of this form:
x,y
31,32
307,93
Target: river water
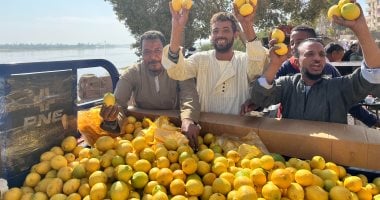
x,y
121,57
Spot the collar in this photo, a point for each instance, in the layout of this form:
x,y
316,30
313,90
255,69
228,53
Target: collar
x,y
293,63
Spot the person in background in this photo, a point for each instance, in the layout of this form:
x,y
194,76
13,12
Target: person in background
x,y
297,35
222,74
357,55
149,86
311,96
347,54
334,52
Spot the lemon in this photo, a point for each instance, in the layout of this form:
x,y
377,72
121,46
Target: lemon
x,y
142,165
278,34
314,192
242,180
282,178
208,178
295,191
139,179
176,5
164,176
177,187
221,185
123,173
258,177
339,193
194,187
246,192
246,9
13,193
333,11
350,11
139,143
353,183
109,99
105,143
267,161
97,177
239,3
69,143
304,177
189,166
58,161
364,194
187,4
206,155
341,3
282,50
98,191
271,191
119,190
317,162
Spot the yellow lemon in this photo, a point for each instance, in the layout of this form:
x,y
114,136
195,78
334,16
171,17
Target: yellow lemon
x,y
282,178
105,143
142,165
304,177
69,143
176,5
246,192
314,192
221,185
58,161
350,11
187,4
189,166
341,3
278,34
271,191
282,50
317,162
267,161
208,138
333,11
239,3
139,143
206,155
131,119
177,187
32,179
339,193
203,168
217,196
160,195
258,177
364,194
129,128
353,183
119,190
242,180
109,99
164,176
233,155
228,176
194,187
139,179
246,9
98,191
208,178
295,191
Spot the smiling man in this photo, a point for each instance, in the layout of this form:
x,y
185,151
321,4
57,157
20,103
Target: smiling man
x,y
223,74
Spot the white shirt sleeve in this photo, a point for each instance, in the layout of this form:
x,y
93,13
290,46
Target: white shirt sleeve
x,y
372,75
264,83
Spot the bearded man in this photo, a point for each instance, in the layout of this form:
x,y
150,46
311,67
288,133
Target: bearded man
x,y
222,74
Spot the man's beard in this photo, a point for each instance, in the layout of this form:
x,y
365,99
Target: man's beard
x,y
224,48
309,75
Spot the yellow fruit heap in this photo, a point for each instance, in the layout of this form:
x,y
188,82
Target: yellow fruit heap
x,y
137,166
177,5
245,6
279,35
345,9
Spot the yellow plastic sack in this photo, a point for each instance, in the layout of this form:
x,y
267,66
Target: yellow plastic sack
x,y
164,130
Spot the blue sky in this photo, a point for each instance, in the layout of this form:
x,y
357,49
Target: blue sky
x,y
63,21
60,21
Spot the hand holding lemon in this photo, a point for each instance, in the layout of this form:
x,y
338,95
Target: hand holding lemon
x,y
279,35
177,5
245,7
109,99
346,9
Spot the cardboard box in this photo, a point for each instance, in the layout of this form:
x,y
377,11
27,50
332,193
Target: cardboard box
x,y
347,145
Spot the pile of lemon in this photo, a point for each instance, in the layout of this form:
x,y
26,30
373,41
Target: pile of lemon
x,y
279,35
345,9
136,166
245,6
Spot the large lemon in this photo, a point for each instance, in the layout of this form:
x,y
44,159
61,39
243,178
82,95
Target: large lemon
x,y
341,3
333,11
282,50
350,11
246,9
239,3
187,4
176,5
109,99
278,34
